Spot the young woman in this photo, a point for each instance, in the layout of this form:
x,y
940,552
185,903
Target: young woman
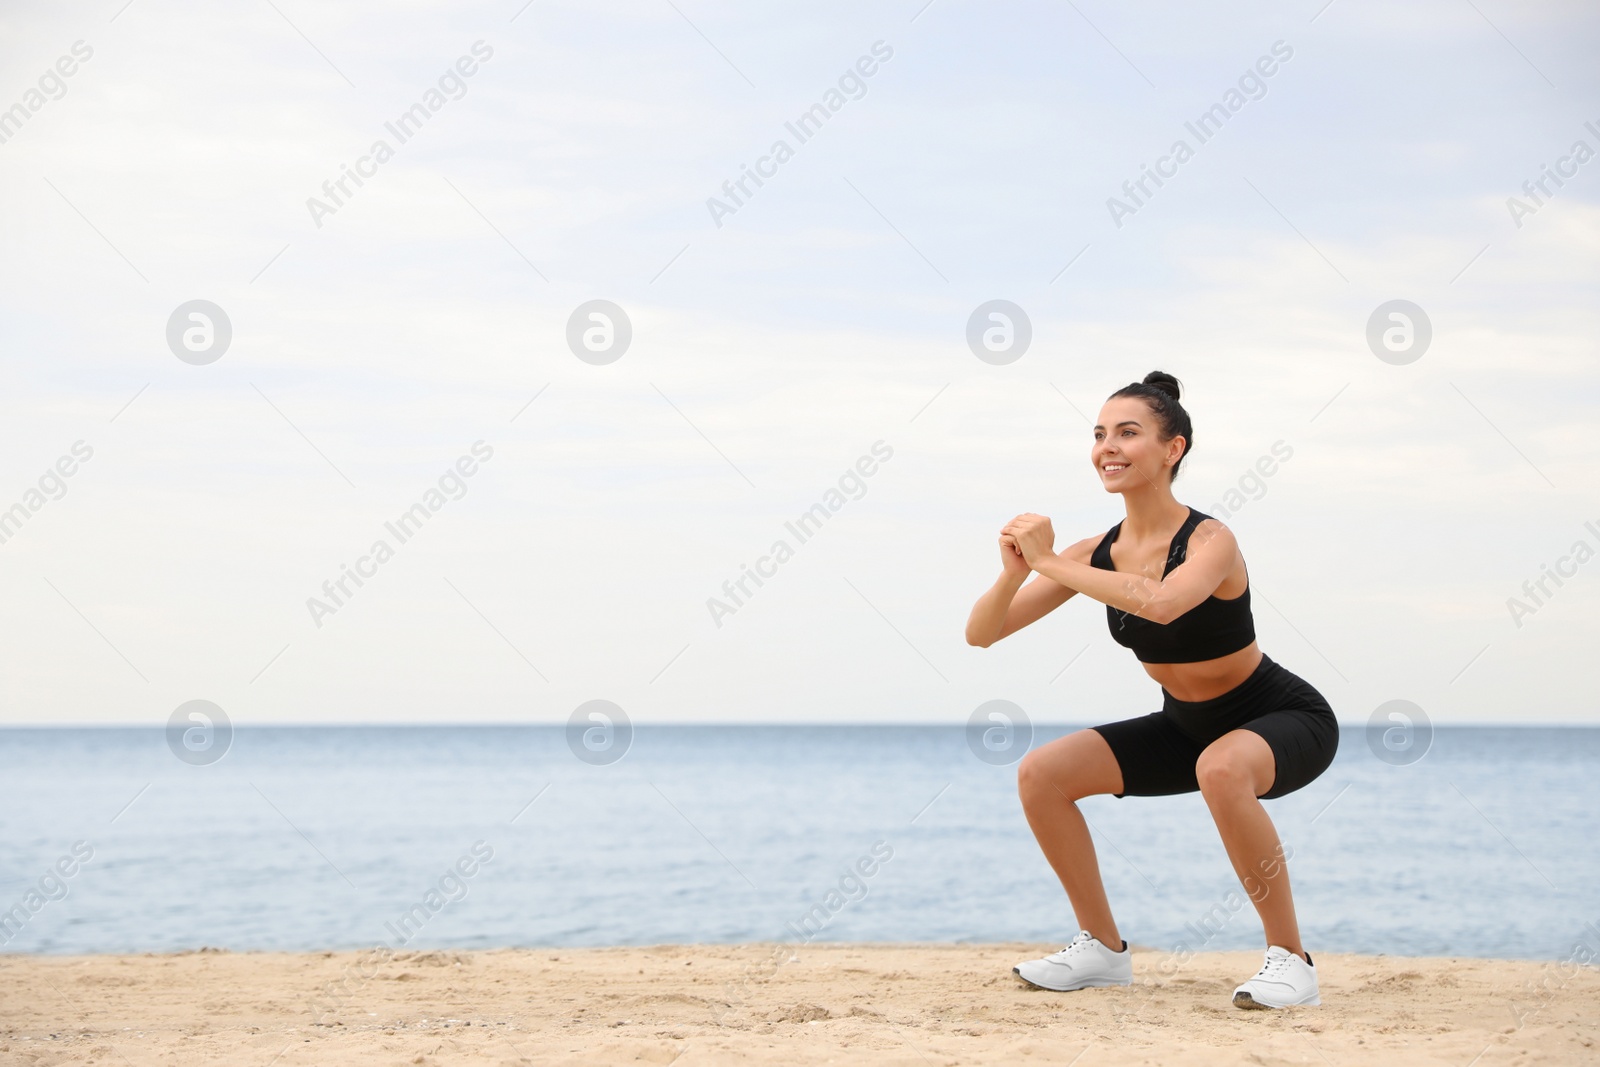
x,y
1234,725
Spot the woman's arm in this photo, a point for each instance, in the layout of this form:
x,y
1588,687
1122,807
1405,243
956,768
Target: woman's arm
x,y
989,613
1009,605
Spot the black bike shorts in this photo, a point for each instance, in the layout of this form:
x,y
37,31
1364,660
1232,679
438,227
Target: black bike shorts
x,y
1157,752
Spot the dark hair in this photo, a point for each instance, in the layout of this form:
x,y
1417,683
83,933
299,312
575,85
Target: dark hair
x,y
1161,390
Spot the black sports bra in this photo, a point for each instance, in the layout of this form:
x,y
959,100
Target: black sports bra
x,y
1212,628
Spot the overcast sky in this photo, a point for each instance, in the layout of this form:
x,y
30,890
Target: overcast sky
x,y
377,336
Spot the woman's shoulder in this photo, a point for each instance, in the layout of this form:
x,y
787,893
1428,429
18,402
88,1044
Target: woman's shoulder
x,y
1207,528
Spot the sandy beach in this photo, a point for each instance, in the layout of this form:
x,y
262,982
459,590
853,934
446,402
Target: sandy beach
x,y
760,1003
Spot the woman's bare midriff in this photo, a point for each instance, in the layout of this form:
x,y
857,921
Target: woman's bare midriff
x,y
1206,678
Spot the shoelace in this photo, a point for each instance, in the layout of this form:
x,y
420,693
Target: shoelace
x,y
1081,941
1274,966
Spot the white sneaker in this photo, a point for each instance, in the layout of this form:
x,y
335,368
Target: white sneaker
x,y
1084,963
1284,979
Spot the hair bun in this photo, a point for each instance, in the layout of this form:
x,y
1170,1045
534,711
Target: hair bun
x,y
1165,382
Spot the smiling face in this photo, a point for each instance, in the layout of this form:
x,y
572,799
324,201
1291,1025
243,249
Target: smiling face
x,y
1128,450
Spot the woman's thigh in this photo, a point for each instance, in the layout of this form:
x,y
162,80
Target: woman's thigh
x,y
1078,765
1155,757
1303,744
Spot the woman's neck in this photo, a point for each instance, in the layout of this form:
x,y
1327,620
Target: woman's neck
x,y
1153,514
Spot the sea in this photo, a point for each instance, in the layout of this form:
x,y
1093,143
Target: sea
x,y
1479,843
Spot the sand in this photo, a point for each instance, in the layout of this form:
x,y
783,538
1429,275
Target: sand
x,y
917,1005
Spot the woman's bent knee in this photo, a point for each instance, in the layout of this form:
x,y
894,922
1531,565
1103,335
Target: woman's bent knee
x,y
1069,768
1239,763
1222,776
1044,774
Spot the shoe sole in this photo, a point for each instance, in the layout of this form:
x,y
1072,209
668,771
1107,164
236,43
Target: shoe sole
x,y
1071,989
1245,1000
